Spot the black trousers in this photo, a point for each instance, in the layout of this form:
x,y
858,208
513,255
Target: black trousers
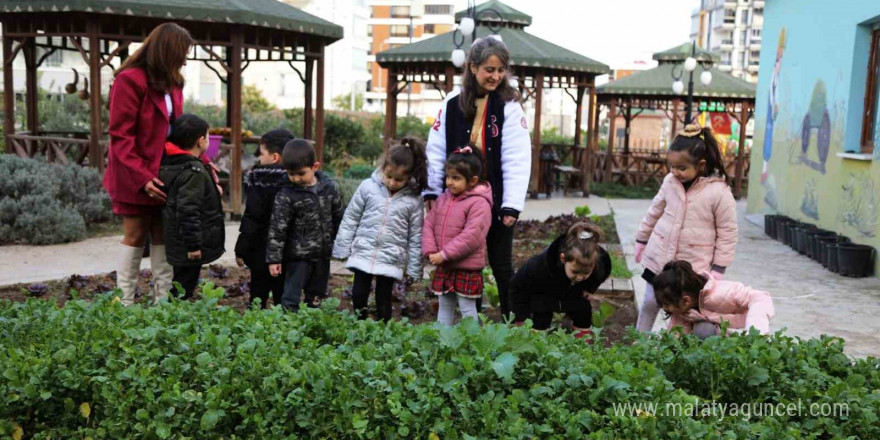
x,y
499,245
188,277
580,318
360,294
311,277
262,283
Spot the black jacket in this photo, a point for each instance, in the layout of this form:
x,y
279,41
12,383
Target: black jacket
x,y
261,185
193,213
304,222
540,285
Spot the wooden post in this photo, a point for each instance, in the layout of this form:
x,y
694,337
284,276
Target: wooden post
x,y
579,103
8,93
536,137
31,86
234,101
743,118
390,108
450,78
308,122
96,152
675,104
319,110
609,151
587,161
627,119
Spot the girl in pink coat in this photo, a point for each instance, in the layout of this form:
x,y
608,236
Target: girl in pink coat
x,y
454,235
700,304
692,217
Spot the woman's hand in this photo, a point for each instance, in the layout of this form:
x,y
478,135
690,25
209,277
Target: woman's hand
x,y
197,255
152,189
508,220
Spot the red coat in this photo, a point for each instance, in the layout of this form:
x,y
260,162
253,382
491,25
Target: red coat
x,y
138,129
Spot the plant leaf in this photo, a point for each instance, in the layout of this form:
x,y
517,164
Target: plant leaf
x,y
85,410
503,365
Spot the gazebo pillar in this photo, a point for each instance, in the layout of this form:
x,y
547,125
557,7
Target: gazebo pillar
x,y
8,93
390,108
579,103
587,160
450,78
676,103
234,101
536,137
743,118
319,110
307,107
96,152
609,158
31,86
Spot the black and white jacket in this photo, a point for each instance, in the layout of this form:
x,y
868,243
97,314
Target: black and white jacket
x,y
507,144
262,183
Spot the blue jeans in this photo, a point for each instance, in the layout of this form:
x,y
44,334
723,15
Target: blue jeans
x,y
311,277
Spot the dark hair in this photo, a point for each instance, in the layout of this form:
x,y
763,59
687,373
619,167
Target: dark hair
x,y
479,53
161,56
582,244
675,281
275,140
700,144
409,153
186,131
298,154
467,161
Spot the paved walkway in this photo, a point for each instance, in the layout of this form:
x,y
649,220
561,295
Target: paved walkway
x,y
809,300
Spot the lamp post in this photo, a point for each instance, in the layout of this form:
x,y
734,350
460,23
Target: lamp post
x,y
468,26
689,65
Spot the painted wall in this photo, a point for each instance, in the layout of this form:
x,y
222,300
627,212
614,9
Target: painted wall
x,y
809,107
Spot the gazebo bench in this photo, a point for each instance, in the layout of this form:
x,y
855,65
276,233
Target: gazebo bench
x,y
566,176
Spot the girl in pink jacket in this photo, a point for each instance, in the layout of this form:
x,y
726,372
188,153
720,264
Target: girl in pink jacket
x,y
692,217
454,235
700,303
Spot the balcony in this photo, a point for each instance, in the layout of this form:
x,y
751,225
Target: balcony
x,y
758,4
755,45
724,67
753,67
726,45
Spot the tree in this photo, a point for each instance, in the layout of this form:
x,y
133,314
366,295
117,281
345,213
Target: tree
x,y
343,102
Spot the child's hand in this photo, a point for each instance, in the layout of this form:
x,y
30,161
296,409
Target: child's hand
x,y
436,259
239,261
640,249
718,276
197,255
274,270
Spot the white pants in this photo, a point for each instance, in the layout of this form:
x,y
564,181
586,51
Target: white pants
x,y
446,311
648,311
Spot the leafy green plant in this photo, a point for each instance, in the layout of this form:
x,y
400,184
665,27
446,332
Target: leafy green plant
x,y
210,291
582,211
613,190
619,268
601,316
490,287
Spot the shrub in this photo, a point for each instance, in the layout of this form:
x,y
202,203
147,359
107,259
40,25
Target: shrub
x,y
195,370
582,211
359,171
348,187
42,203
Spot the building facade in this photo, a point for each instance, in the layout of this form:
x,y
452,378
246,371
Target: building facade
x,y
733,29
817,135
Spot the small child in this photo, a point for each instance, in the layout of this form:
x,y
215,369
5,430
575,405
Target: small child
x,y
193,214
305,218
455,232
559,279
381,231
262,184
692,218
699,303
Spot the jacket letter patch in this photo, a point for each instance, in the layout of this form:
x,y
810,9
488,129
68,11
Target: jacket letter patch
x,y
436,126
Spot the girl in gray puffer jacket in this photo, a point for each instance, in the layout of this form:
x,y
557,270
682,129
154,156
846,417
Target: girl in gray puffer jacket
x,y
381,231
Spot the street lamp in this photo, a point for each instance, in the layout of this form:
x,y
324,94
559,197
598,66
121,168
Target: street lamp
x,y
689,65
468,26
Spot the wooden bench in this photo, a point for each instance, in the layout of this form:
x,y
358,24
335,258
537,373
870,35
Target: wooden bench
x,y
567,177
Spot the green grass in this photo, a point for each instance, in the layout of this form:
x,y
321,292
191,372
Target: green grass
x,y
618,266
618,191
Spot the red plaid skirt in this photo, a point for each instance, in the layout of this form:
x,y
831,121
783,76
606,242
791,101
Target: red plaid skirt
x,y
465,283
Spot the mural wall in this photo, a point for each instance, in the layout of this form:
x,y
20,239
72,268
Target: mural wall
x,y
810,97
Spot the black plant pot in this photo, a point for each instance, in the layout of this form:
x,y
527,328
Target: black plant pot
x,y
855,260
792,234
770,226
781,226
786,233
823,243
803,243
815,243
831,254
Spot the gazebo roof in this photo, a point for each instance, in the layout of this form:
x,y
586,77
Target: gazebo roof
x,y
264,13
508,14
525,51
683,51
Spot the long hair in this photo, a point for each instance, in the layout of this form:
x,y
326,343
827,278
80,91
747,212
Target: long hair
x,y
675,281
700,144
479,53
409,153
581,244
161,56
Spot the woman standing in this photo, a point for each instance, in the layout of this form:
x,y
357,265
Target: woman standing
x,y
487,113
146,96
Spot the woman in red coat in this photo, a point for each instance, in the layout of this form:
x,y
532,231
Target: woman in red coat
x,y
146,96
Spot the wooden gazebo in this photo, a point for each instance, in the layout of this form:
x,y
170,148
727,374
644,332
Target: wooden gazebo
x,y
230,33
652,90
536,63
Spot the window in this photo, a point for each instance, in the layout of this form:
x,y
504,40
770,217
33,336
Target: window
x,y
53,60
742,60
742,38
429,28
438,9
744,18
399,30
756,34
870,119
399,11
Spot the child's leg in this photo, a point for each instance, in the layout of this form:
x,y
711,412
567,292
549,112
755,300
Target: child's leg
x,y
316,282
188,277
360,293
446,311
260,282
704,329
129,262
294,280
468,307
542,320
276,284
648,311
384,286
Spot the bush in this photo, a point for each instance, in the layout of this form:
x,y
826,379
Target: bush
x,y
348,187
196,370
613,190
43,203
359,172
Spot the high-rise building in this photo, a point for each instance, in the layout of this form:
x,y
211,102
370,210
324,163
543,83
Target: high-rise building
x,y
731,28
395,23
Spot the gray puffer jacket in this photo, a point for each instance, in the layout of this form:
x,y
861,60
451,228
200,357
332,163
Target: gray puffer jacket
x,y
381,233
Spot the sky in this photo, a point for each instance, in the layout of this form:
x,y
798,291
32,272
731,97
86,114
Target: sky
x,y
615,32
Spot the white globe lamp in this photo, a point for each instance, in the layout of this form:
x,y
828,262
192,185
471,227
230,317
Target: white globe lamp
x,y
466,26
678,87
690,64
458,57
706,78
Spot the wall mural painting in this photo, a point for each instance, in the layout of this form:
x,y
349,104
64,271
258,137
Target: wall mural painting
x,y
860,204
818,120
767,180
810,203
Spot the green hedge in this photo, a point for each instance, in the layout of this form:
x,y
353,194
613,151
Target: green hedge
x,y
196,370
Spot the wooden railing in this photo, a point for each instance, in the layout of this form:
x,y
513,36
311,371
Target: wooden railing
x,y
56,149
639,168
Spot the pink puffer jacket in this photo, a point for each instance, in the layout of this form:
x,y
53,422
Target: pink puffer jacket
x,y
729,301
698,226
457,227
